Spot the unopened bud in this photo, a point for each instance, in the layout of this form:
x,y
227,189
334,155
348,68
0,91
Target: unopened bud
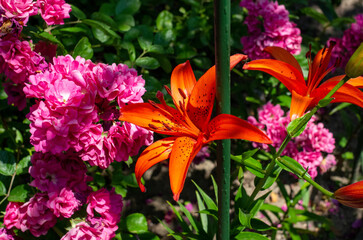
x,y
354,67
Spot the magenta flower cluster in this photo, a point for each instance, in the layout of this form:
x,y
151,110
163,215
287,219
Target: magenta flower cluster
x,y
312,149
17,60
103,213
352,38
52,11
268,24
17,63
76,110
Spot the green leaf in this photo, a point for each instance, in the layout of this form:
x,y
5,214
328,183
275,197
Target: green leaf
x,y
144,42
164,63
208,201
189,216
23,166
201,207
258,225
130,49
18,136
156,49
124,22
321,18
127,6
74,30
257,204
147,62
83,49
341,22
7,163
180,219
339,107
284,101
291,165
19,193
135,223
108,9
271,208
101,30
2,189
244,218
272,178
49,37
250,236
164,20
78,13
292,126
256,167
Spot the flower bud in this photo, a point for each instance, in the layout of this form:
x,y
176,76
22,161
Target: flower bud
x,y
351,195
354,67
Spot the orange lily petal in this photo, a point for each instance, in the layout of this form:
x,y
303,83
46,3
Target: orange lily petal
x,y
299,104
182,154
155,119
356,82
320,64
284,72
182,83
200,105
225,126
346,93
155,153
285,56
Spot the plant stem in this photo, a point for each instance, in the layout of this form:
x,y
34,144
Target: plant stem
x,y
222,26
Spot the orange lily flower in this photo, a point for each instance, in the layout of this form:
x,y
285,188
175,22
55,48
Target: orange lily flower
x,y
188,124
351,195
307,94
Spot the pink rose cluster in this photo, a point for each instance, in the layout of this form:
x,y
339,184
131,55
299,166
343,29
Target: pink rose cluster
x,y
268,25
17,60
62,180
17,63
352,38
103,213
307,148
77,104
52,11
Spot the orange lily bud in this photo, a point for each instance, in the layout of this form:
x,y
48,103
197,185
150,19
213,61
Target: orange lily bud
x,y
354,67
351,195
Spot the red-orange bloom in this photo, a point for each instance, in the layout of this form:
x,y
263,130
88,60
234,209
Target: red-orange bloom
x,y
351,195
188,124
307,94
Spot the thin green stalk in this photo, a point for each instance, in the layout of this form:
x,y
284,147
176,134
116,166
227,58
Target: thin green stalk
x,y
222,25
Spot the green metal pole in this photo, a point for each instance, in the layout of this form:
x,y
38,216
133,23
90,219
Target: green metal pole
x,y
222,31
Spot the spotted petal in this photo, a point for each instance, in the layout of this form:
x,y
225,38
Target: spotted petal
x,y
155,153
155,118
182,155
200,105
182,83
226,126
